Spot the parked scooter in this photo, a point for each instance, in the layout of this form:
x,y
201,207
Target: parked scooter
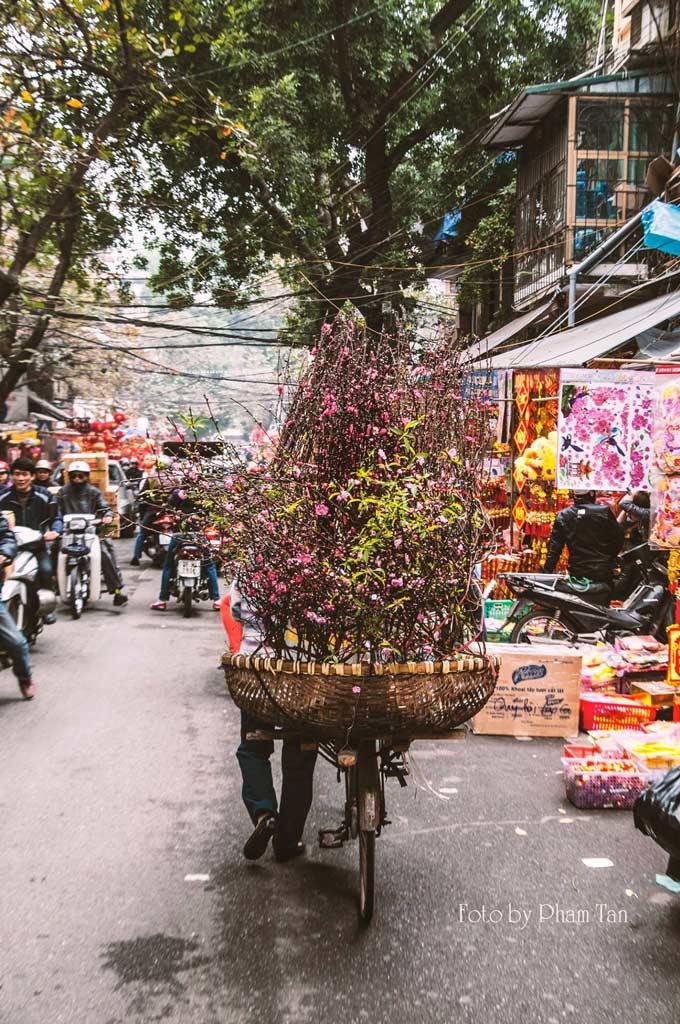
x,y
189,579
79,564
549,609
28,604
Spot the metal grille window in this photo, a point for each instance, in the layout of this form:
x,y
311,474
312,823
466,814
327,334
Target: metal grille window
x,y
600,125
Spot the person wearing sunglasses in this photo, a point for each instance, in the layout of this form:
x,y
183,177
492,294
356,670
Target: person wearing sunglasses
x,y
80,497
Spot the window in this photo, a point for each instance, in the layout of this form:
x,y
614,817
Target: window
x,y
651,128
599,125
596,181
636,24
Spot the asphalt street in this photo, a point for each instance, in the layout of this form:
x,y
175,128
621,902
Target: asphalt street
x,y
125,898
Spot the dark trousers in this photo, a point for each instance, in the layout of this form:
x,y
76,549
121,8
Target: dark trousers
x,y
110,570
258,792
45,579
14,643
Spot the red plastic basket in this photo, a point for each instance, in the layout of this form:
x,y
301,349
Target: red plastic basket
x,y
609,713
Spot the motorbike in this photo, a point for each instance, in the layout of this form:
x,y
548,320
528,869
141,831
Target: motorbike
x,y
28,604
79,563
549,608
189,579
158,537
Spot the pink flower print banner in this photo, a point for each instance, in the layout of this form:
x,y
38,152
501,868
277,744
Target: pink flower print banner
x,y
604,430
641,441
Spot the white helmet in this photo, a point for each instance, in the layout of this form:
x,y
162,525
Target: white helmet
x,y
43,464
78,467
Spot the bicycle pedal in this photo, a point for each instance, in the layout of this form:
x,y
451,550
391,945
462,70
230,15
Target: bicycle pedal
x,y
332,838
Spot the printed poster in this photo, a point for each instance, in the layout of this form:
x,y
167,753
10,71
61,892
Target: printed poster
x,y
605,429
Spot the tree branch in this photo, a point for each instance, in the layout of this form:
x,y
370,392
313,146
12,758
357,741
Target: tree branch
x,y
403,85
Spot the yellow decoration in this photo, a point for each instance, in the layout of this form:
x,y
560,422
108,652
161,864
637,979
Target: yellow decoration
x,y
76,104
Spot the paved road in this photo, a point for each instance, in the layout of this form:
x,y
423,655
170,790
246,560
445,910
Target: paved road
x,y
124,896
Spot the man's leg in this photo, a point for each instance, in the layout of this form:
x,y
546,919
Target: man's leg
x,y
213,583
45,578
14,642
168,563
112,575
258,791
46,581
296,794
253,757
142,531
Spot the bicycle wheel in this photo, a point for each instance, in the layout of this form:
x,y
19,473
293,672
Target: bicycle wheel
x,y
75,593
366,874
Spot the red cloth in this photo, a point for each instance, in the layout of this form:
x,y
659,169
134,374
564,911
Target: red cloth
x,y
232,628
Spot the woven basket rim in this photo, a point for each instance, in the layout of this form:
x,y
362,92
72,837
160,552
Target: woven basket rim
x,y
460,663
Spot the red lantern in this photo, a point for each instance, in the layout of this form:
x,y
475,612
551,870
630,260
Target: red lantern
x,y
97,426
119,417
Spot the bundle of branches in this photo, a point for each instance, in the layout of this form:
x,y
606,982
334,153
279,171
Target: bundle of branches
x,y
357,536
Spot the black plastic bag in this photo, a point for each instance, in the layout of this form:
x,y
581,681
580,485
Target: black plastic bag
x,y
657,812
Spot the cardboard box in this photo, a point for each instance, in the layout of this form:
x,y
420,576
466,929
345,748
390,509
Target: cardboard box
x,y
537,693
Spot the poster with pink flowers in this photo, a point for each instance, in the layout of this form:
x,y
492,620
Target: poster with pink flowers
x,y
604,430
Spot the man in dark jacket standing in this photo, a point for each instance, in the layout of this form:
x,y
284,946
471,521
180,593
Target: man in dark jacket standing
x,y
12,640
593,539
79,496
35,509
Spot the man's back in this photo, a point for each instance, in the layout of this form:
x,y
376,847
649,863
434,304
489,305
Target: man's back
x,y
593,538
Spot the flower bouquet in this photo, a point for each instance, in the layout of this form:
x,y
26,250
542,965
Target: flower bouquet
x,y
354,543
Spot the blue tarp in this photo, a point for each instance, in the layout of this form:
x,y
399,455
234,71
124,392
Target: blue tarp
x,y
449,226
661,222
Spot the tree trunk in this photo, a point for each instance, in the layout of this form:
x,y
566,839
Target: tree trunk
x,y
20,361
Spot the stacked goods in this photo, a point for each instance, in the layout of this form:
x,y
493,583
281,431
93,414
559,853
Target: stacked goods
x,y
599,783
111,496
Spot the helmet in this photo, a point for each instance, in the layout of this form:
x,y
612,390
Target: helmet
x,y
4,468
134,460
43,464
78,467
124,461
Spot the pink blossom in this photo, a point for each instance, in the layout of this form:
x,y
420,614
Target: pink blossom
x,y
304,558
320,509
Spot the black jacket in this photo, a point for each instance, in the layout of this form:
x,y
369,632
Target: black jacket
x,y
40,512
86,500
8,542
593,539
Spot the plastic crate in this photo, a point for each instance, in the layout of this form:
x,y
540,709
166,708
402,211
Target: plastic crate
x,y
602,790
610,713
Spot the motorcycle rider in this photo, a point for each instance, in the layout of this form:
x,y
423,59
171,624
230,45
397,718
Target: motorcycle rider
x,y
593,539
4,476
134,472
80,496
180,502
43,472
34,508
12,640
150,503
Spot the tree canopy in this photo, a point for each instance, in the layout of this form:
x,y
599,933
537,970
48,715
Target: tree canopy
x,y
316,141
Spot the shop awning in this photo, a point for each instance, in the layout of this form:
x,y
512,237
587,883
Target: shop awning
x,y
591,339
492,341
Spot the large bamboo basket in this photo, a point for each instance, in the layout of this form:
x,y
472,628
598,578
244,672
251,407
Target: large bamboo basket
x,y
330,701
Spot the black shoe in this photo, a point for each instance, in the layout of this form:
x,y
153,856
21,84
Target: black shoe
x,y
259,840
134,561
120,598
284,853
50,619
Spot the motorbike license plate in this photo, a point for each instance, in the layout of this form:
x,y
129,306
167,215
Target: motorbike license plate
x,y
185,568
164,539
